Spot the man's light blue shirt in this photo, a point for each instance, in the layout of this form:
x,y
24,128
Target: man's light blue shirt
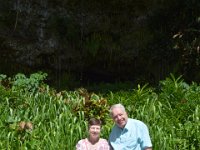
x,y
134,136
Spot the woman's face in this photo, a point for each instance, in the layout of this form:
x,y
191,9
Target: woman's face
x,y
94,131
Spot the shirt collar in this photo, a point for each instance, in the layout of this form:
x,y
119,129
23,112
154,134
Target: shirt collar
x,y
127,126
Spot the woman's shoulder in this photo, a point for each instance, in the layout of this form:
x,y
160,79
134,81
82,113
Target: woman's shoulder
x,y
81,145
82,141
104,144
101,140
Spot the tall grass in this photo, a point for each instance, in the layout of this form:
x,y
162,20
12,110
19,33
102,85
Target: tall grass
x,y
171,112
59,119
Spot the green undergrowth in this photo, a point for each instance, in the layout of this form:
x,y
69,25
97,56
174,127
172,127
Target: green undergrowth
x,y
36,116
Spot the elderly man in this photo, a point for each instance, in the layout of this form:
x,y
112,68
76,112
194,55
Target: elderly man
x,y
128,134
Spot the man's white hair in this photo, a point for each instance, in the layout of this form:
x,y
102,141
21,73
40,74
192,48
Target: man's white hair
x,y
117,106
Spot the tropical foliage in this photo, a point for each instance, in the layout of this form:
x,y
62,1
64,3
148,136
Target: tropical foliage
x,y
35,116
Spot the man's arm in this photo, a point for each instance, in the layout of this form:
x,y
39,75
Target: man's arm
x,y
148,148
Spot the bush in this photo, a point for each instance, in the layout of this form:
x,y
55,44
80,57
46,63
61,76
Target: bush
x,y
59,119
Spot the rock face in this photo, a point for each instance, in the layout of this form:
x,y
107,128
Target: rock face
x,y
61,34
33,34
27,33
90,39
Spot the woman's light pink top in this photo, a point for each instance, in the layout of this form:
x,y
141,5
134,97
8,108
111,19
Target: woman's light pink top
x,y
84,144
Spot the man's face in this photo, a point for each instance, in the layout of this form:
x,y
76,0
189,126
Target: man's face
x,y
94,131
120,117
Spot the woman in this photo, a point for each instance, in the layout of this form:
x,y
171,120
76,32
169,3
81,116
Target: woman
x,y
93,142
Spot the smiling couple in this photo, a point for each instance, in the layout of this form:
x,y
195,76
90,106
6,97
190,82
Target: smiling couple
x,y
127,133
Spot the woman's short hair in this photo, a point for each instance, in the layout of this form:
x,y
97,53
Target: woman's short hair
x,y
94,121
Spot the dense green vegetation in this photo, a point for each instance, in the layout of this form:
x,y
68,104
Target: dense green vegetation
x,y
35,116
